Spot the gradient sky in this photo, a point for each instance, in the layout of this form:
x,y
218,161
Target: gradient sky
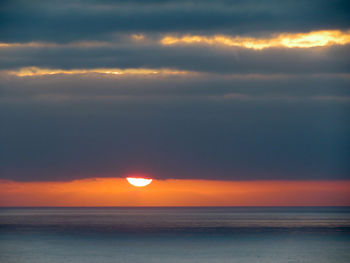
x,y
172,192
196,90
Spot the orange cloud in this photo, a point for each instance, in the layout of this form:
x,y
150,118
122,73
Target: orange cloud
x,y
138,37
118,192
35,71
286,40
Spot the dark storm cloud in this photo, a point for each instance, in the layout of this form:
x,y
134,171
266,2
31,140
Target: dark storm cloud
x,y
334,59
65,21
206,128
175,139
238,114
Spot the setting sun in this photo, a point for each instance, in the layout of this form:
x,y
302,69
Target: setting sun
x,y
139,182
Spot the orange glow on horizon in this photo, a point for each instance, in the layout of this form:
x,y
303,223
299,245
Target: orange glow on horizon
x,y
118,192
285,40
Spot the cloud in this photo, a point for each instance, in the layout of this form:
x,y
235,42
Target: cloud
x,y
207,127
334,59
34,71
147,84
229,90
288,40
68,21
180,139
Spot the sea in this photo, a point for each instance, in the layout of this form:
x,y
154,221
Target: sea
x,y
175,235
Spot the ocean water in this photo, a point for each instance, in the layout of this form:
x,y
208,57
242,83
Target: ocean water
x,y
175,235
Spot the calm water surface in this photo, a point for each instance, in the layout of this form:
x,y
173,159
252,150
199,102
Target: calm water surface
x,y
44,235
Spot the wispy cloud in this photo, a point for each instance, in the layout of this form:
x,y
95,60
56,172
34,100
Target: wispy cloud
x,y
35,71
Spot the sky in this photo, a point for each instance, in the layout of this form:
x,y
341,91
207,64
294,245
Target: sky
x,y
227,91
174,192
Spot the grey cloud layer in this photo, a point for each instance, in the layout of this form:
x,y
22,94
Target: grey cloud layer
x,y
175,139
333,59
240,114
67,127
192,86
65,21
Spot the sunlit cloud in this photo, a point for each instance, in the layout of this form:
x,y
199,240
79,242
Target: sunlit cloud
x,y
287,40
138,37
36,71
284,40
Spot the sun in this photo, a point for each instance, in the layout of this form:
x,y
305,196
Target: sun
x,y
138,182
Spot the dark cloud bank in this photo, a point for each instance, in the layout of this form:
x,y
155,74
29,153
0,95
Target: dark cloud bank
x,y
207,128
288,122
65,21
335,59
183,139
